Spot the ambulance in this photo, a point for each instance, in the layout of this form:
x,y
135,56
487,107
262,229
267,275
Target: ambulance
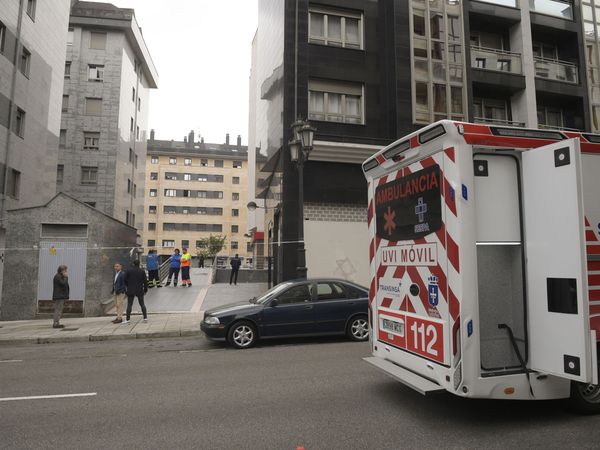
x,y
485,262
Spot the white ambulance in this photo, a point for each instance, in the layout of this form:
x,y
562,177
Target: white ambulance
x,y
485,262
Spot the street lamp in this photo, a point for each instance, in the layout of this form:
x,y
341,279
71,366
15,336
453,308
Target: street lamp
x,y
300,147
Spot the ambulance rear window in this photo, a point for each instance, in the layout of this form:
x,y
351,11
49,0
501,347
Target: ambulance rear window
x,y
409,207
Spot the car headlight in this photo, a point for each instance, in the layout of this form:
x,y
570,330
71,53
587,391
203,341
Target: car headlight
x,y
212,321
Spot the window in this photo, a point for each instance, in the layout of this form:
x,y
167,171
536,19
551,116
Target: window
x,y
171,176
68,69
152,209
204,162
491,110
60,173
200,244
235,212
234,245
335,28
93,106
335,101
25,61
237,164
62,138
131,125
354,292
172,161
151,243
128,186
89,175
95,72
137,132
187,177
31,8
70,36
135,161
134,190
130,155
2,36
133,94
127,217
13,183
65,103
235,196
154,159
153,192
19,125
154,176
168,243
98,40
235,228
187,162
170,193
329,291
151,226
185,243
91,140
235,180
295,294
218,163
139,104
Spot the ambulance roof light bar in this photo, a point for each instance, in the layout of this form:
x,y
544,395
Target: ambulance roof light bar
x,y
371,164
396,150
528,133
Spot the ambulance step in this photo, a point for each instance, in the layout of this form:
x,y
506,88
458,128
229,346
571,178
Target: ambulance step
x,y
410,379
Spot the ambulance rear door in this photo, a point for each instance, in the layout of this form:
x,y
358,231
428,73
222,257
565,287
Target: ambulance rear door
x,y
557,303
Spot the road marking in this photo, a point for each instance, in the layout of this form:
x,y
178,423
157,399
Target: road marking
x,y
42,397
10,360
199,300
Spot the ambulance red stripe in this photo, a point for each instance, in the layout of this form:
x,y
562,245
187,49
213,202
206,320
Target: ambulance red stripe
x,y
590,236
593,265
594,295
453,253
593,249
593,280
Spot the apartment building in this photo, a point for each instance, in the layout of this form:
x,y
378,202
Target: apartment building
x,y
366,73
194,190
108,75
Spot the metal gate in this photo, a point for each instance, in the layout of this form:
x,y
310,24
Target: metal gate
x,y
73,254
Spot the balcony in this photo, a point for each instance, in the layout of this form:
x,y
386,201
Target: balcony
x,y
551,69
510,3
510,123
556,8
496,60
544,126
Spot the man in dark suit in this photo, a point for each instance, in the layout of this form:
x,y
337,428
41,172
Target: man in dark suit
x,y
137,286
119,289
236,262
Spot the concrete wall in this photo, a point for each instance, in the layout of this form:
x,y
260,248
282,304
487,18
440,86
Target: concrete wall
x,y
108,241
337,242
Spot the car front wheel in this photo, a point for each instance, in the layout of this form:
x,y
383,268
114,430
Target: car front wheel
x,y
242,335
358,328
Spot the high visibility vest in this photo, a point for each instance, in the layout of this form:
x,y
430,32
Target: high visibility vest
x,y
186,260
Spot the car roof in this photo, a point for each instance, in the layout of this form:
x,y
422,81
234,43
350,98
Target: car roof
x,y
333,280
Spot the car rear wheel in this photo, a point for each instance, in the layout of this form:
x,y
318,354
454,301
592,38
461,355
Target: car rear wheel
x,y
585,398
358,328
242,335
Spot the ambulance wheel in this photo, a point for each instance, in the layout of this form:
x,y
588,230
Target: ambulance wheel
x,y
585,398
242,335
358,328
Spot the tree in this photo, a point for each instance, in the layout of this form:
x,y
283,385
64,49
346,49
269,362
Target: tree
x,y
211,245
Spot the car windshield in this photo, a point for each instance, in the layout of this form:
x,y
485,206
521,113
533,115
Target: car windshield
x,y
272,292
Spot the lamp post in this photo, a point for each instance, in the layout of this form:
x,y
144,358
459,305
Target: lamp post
x,y
300,147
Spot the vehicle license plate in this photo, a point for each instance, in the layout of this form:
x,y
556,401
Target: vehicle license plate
x,y
396,327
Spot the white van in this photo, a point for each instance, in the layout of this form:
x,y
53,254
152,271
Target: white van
x,y
485,262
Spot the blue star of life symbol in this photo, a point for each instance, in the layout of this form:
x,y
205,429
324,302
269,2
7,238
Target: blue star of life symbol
x,y
433,290
421,209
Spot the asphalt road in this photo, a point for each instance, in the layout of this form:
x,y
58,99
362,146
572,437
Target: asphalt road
x,y
189,393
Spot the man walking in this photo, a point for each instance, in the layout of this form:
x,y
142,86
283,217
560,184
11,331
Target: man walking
x,y
236,262
137,286
186,263
174,268
119,291
152,266
60,293
201,261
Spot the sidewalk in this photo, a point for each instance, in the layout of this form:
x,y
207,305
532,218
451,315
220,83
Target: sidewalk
x,y
159,325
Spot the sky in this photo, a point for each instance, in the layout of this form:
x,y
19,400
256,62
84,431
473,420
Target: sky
x,y
202,51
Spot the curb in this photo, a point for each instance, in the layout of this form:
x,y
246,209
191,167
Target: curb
x,y
99,337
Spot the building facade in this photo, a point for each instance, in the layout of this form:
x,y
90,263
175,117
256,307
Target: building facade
x,y
33,35
366,73
194,190
108,76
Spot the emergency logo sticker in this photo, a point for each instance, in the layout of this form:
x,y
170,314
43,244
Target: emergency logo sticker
x,y
433,291
409,207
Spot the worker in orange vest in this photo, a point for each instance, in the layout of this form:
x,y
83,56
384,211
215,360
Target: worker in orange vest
x,y
186,262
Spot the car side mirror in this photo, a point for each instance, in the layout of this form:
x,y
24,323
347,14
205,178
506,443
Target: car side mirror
x,y
274,302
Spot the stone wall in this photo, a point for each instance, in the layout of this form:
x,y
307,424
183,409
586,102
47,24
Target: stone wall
x,y
335,212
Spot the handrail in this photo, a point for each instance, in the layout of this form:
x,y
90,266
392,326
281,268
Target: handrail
x,y
554,61
498,121
495,50
163,270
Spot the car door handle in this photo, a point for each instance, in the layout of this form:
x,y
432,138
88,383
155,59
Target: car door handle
x,y
308,307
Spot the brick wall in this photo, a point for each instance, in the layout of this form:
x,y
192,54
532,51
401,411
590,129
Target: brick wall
x,y
335,212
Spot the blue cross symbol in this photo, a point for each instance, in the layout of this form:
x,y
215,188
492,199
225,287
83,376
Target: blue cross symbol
x,y
421,209
433,296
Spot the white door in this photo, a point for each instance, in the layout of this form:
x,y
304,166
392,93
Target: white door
x,y
559,332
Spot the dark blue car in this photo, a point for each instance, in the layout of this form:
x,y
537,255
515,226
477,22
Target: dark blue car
x,y
293,308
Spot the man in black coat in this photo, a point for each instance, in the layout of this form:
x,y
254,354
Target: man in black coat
x,y
137,286
236,262
60,293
